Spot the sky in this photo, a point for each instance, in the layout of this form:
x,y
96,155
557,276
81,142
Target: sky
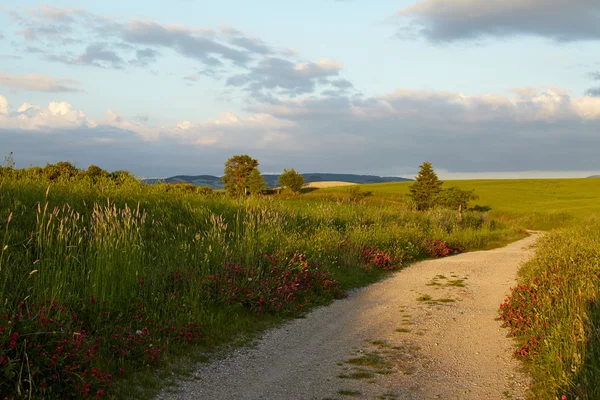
x,y
480,88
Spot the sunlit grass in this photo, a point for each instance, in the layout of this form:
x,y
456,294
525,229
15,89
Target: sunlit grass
x,y
178,272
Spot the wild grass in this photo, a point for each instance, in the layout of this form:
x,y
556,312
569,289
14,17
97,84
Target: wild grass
x,y
554,313
105,283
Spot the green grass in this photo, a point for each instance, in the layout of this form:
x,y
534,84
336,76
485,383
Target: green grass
x,y
153,278
531,203
554,315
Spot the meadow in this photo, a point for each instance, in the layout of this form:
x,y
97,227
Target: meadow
x,y
108,285
538,204
554,311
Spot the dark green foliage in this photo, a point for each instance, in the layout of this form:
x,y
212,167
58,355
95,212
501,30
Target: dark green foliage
x,y
291,180
96,172
237,171
256,183
454,198
60,170
66,172
426,188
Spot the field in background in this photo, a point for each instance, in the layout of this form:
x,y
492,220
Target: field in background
x,y
532,203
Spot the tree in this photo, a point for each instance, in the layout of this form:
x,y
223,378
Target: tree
x,y
256,183
426,188
291,180
456,198
237,170
96,172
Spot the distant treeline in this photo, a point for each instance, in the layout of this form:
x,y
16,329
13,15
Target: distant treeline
x,y
66,172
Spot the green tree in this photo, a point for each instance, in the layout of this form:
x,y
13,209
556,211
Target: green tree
x,y
96,172
256,183
455,198
426,188
291,180
237,171
60,170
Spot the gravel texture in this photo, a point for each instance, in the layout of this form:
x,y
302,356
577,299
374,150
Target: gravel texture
x,y
398,347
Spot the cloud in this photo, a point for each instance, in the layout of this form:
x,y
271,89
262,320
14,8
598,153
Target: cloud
x,y
253,45
595,75
61,132
532,129
144,57
284,77
198,44
342,84
4,108
2,36
39,83
451,20
76,37
49,13
57,115
98,55
594,92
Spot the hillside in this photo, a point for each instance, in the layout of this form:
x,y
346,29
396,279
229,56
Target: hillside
x,y
215,182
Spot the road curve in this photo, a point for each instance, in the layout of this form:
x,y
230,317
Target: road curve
x,y
381,342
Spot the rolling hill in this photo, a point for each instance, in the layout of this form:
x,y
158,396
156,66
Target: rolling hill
x,y
215,182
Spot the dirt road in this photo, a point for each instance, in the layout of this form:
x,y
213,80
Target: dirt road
x,y
427,332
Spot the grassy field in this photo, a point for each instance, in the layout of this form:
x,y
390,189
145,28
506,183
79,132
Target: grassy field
x,y
108,285
554,312
532,203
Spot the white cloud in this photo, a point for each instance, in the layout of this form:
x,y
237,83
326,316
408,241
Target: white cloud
x,y
3,105
39,83
58,115
529,129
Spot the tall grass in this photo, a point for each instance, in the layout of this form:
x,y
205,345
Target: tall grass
x,y
127,276
554,313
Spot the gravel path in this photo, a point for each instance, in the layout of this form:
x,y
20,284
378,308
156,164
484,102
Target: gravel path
x,y
449,347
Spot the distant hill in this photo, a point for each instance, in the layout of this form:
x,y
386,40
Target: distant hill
x,y
594,176
215,182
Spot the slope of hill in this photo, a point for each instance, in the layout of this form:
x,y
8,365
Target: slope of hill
x,y
215,182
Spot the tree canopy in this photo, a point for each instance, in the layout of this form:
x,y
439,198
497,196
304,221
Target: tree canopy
x,y
237,171
256,183
426,188
455,198
291,180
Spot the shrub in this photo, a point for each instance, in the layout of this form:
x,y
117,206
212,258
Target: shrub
x,y
291,180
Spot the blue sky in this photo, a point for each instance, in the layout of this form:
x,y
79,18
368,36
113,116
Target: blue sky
x,y
480,88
